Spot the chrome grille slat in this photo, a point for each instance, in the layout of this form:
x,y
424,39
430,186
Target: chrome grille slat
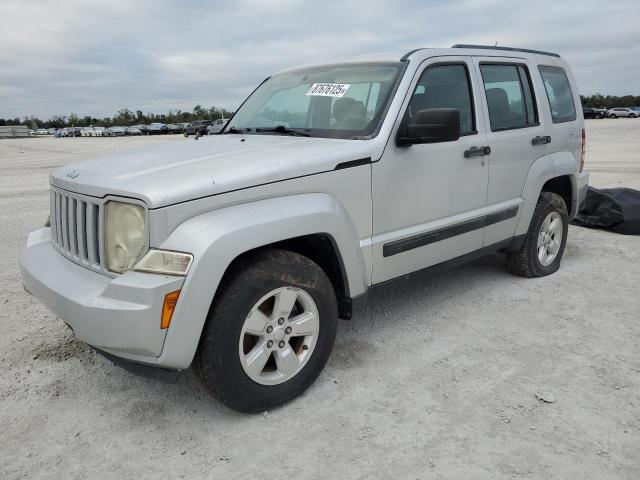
x,y
65,223
52,215
73,228
76,228
81,235
58,220
91,234
100,234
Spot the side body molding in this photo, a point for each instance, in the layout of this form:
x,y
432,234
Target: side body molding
x,y
543,169
217,237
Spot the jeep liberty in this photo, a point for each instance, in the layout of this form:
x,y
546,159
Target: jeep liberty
x,y
237,253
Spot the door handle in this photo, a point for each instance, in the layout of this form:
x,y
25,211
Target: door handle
x,y
477,152
541,140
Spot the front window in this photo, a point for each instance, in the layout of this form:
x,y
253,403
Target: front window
x,y
331,101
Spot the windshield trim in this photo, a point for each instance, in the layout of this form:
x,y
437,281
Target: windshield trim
x,y
349,134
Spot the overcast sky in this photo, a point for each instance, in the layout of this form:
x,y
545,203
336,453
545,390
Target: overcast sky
x,y
95,57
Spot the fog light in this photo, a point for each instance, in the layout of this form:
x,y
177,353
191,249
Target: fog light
x,y
165,262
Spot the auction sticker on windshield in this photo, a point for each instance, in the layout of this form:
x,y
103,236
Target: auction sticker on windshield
x,y
328,89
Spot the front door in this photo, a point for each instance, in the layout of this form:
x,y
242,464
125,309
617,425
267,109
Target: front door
x,y
429,200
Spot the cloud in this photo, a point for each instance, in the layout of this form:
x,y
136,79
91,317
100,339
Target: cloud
x,y
93,58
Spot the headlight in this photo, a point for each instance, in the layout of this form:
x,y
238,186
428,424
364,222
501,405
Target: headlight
x,y
165,262
125,235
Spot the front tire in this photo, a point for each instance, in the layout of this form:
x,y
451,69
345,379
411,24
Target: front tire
x,y
544,244
269,332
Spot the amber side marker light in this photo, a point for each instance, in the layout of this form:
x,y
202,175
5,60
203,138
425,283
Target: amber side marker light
x,y
169,305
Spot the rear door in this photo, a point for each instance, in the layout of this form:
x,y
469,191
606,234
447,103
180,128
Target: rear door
x,y
516,135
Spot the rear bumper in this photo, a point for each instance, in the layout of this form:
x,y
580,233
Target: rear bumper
x,y
120,316
583,183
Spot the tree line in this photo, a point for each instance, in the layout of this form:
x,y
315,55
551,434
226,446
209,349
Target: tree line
x,y
610,101
126,117
123,117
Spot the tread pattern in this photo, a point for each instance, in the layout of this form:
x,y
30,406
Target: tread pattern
x,y
213,362
524,262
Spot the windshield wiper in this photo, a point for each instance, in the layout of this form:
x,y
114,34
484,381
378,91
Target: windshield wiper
x,y
234,130
286,130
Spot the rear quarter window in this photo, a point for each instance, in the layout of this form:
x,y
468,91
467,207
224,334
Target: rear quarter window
x,y
559,94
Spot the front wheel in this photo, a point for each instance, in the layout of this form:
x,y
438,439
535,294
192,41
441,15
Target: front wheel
x,y
269,333
633,115
541,253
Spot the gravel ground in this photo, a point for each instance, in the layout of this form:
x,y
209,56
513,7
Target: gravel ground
x,y
438,380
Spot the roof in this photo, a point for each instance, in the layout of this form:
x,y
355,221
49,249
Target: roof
x,y
422,53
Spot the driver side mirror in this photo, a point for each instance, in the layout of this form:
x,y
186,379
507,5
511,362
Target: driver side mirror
x,y
432,125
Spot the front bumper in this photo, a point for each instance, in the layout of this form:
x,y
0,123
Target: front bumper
x,y
120,315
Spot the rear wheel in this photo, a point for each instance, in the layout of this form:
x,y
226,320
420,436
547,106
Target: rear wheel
x,y
269,333
545,241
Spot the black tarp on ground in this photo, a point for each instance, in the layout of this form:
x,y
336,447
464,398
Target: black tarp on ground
x,y
615,209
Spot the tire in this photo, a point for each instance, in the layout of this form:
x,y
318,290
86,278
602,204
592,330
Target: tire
x,y
221,360
186,134
527,261
633,115
613,116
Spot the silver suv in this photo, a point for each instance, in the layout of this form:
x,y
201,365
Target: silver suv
x,y
237,253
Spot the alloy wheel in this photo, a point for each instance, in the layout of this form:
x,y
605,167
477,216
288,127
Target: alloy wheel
x,y
279,335
550,238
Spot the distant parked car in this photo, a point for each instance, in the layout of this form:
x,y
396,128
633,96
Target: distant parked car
x,y
144,129
197,126
132,131
115,132
98,131
42,131
216,126
59,133
594,113
175,128
32,132
157,129
622,112
86,132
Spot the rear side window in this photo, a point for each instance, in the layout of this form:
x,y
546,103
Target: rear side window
x,y
509,95
445,86
559,94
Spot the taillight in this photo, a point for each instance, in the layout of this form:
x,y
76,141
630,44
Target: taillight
x,y
583,149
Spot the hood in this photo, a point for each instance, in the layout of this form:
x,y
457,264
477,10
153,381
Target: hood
x,y
172,172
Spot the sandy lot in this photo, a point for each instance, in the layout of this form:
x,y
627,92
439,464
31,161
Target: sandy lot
x,y
438,380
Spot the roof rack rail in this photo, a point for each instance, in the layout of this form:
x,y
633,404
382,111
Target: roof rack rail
x,y
408,54
507,49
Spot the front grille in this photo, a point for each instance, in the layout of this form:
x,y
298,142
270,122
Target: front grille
x,y
76,228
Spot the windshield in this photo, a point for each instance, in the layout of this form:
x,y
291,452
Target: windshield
x,y
331,101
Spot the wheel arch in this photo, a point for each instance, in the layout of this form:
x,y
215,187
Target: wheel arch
x,y
557,173
315,225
